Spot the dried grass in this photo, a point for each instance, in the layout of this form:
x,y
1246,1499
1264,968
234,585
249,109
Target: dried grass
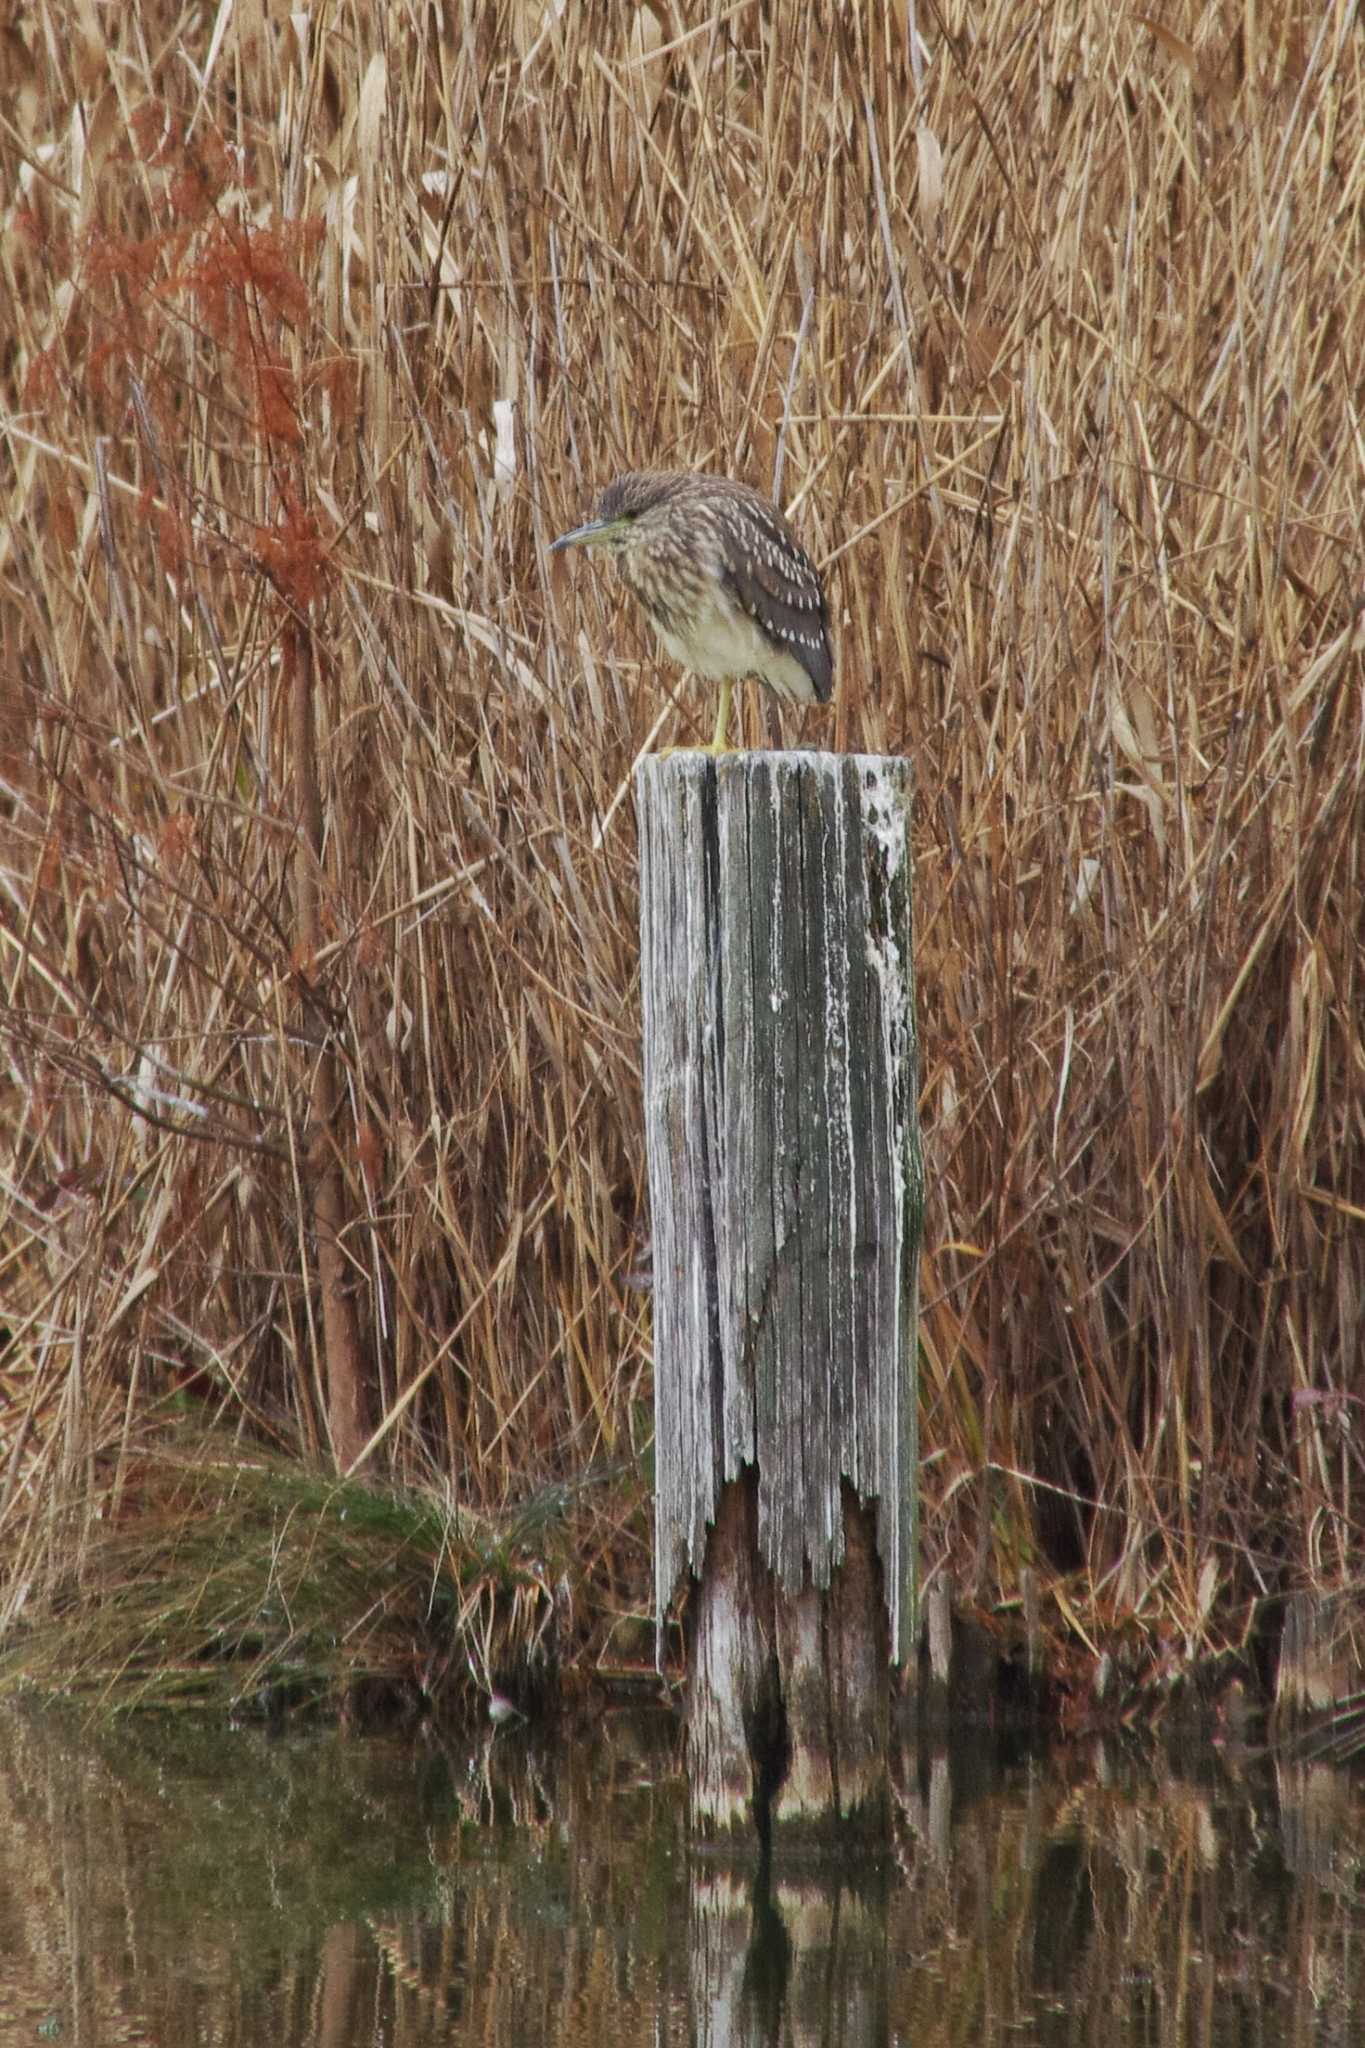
x,y
317,895
237,1582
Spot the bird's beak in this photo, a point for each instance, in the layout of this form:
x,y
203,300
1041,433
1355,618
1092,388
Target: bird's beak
x,y
590,536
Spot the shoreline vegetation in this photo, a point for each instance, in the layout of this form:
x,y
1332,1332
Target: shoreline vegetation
x,y
324,1261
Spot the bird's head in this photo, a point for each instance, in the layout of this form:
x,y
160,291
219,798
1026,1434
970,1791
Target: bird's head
x,y
626,514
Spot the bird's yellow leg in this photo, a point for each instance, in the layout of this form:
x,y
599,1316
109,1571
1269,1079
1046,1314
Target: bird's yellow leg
x,y
720,744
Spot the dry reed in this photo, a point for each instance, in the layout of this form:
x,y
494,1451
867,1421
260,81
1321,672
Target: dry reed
x,y
317,892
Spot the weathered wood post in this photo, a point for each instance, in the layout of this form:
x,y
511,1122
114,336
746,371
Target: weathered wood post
x,y
787,1190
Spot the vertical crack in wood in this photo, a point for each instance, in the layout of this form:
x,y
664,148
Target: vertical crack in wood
x,y
711,1119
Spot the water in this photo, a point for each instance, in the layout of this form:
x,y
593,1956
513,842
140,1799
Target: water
x,y
172,1885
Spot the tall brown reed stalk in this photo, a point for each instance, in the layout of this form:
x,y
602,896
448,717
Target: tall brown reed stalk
x,y
321,1095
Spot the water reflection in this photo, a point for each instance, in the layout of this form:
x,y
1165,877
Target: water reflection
x,y
166,1885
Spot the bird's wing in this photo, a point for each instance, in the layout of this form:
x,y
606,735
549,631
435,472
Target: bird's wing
x,y
774,581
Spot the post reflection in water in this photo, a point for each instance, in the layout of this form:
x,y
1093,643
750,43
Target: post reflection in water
x,y
168,1884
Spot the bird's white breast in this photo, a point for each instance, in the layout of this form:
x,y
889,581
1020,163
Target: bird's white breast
x,y
721,640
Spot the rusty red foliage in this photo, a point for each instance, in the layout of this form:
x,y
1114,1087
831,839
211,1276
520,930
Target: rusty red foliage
x,y
31,227
175,840
204,173
294,556
42,384
155,132
131,263
277,404
339,377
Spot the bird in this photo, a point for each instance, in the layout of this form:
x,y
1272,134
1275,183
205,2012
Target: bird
x,y
729,588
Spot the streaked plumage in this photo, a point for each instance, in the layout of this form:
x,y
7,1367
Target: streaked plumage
x,y
730,589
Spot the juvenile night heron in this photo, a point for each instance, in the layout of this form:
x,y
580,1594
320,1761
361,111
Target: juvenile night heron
x,y
729,587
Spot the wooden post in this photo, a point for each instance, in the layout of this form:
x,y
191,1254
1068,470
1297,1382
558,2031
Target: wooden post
x,y
787,1192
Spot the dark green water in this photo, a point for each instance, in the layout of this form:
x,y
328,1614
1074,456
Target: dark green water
x,y
168,1885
